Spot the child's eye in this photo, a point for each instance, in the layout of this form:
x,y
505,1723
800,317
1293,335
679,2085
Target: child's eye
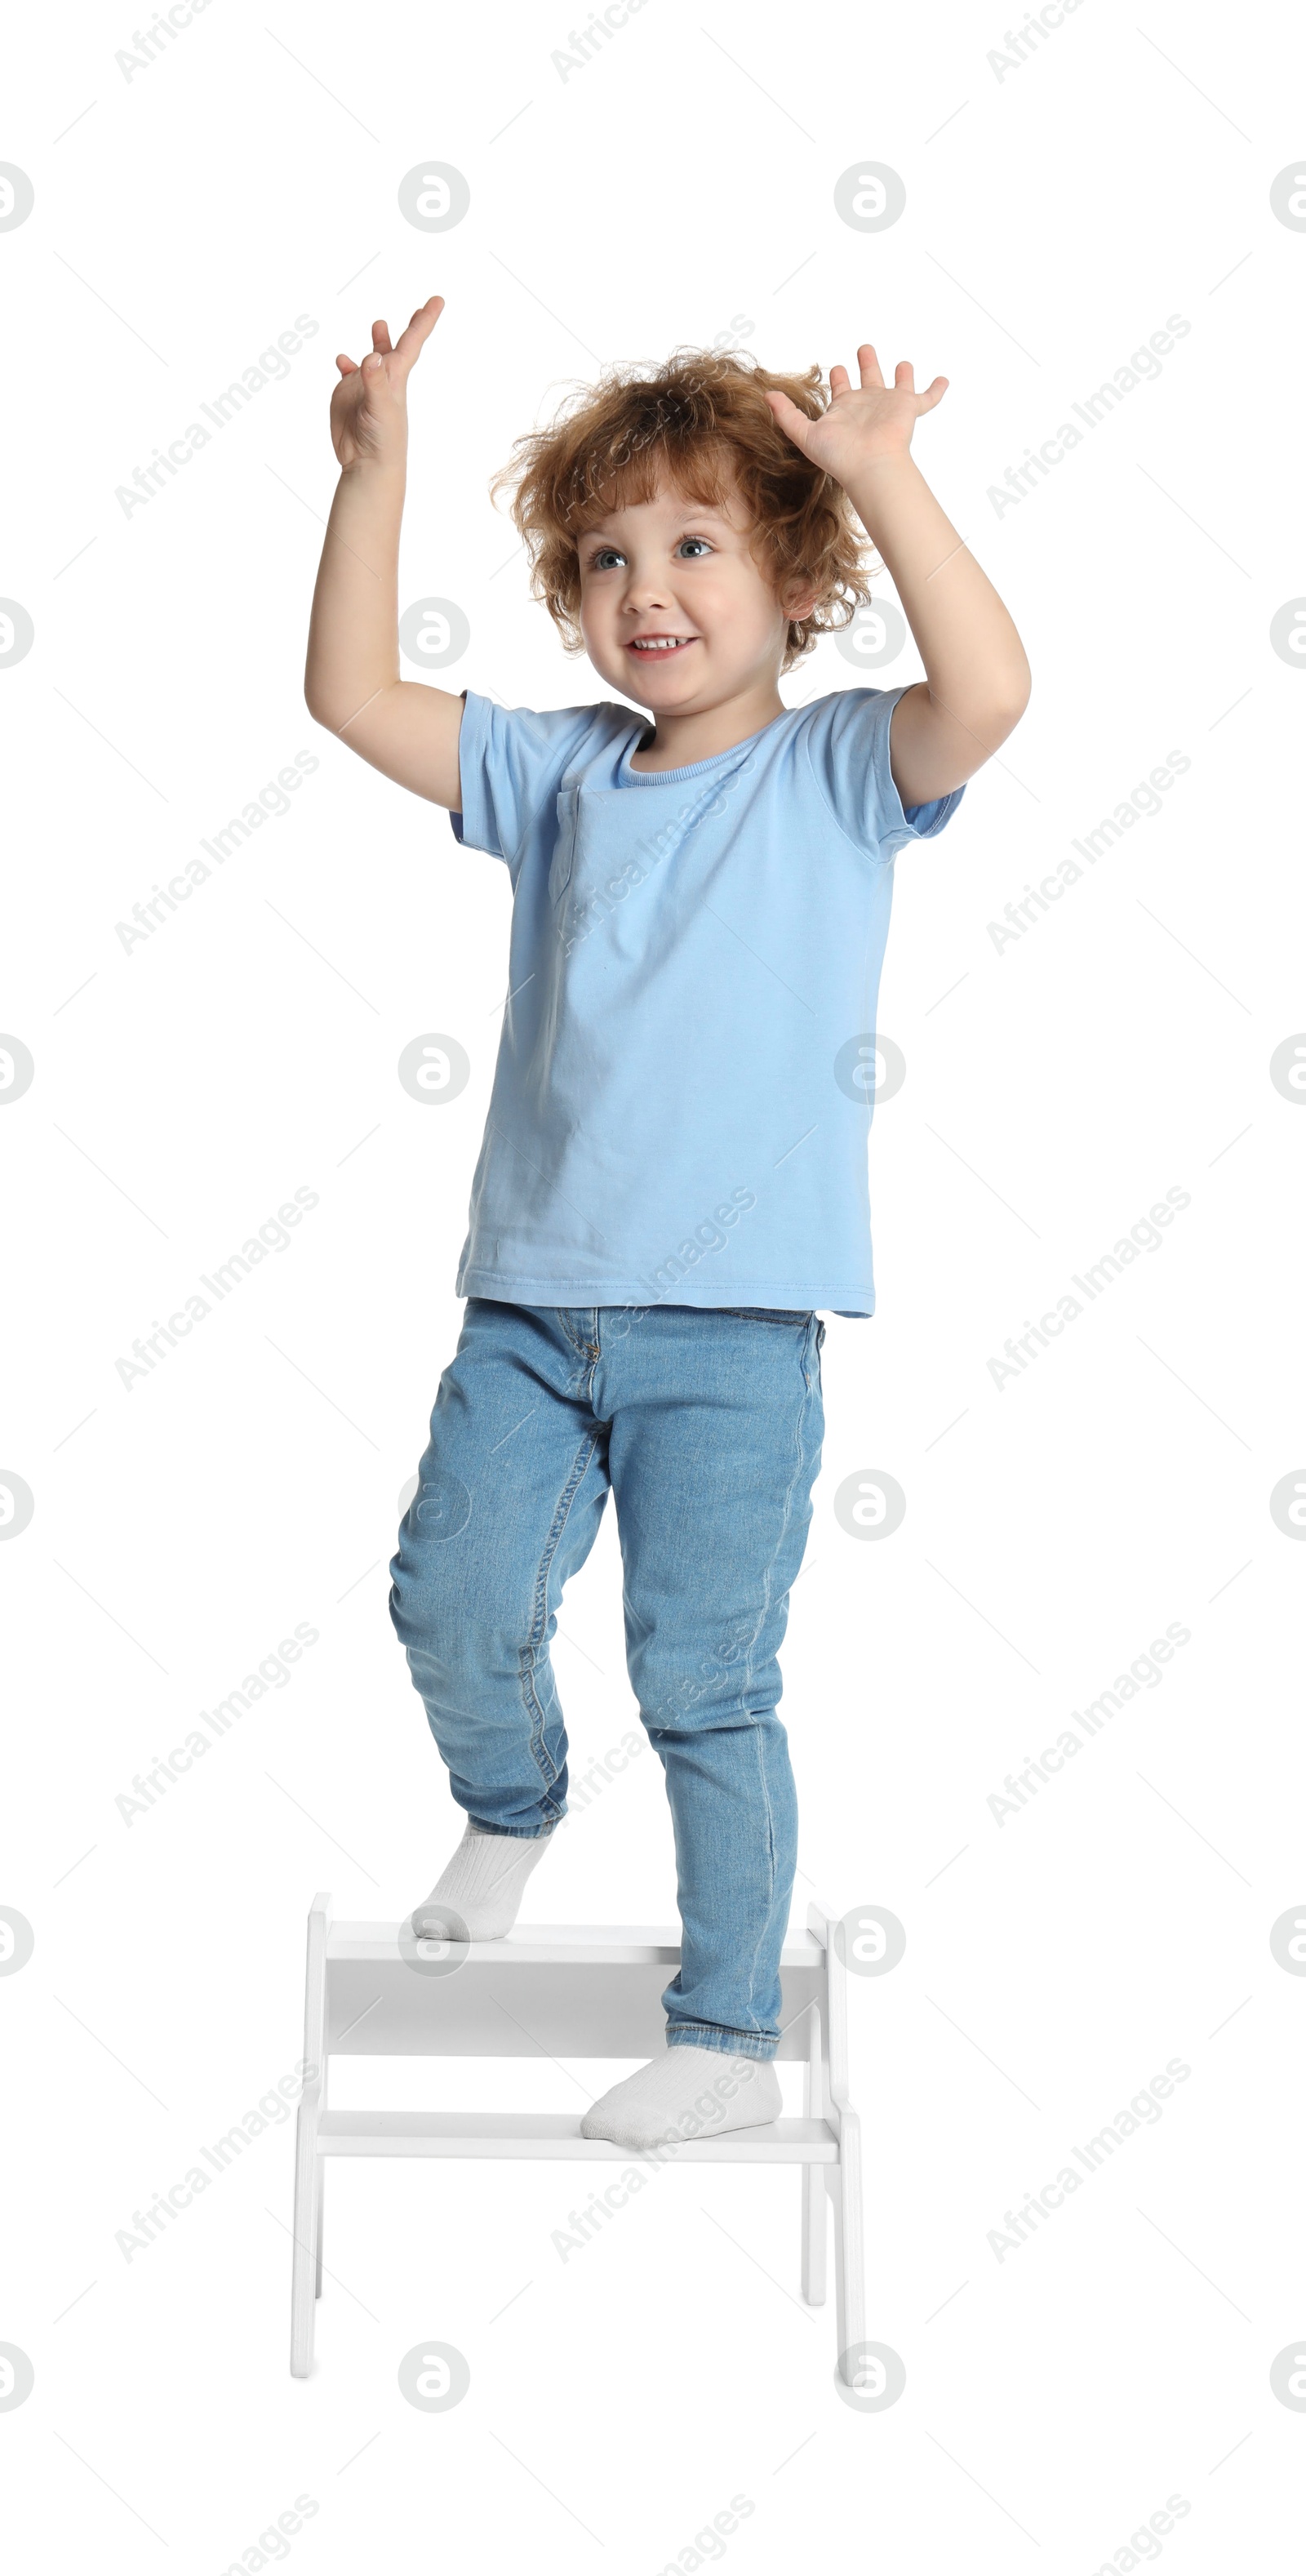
x,y
694,541
605,555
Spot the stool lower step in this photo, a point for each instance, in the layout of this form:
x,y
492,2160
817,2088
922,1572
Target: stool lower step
x,y
556,2134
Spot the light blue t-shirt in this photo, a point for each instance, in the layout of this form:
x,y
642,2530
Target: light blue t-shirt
x,y
681,1102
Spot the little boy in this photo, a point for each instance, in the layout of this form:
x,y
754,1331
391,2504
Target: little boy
x,y
674,1173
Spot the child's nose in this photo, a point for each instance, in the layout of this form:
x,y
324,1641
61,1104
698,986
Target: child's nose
x,y
649,589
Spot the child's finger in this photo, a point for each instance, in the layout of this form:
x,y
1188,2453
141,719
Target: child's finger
x,y
419,330
381,337
346,365
788,414
869,364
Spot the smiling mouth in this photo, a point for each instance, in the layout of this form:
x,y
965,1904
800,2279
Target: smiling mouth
x,y
663,647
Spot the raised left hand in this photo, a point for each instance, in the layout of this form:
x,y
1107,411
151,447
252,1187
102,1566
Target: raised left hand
x,y
863,424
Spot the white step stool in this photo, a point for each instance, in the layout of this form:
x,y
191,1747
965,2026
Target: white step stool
x,y
570,1990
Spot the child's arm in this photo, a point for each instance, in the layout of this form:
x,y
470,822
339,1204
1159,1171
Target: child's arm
x,y
976,685
351,679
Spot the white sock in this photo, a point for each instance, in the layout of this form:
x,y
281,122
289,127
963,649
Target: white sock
x,y
686,2093
478,1892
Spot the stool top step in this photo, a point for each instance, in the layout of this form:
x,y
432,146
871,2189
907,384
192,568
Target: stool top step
x,y
557,1944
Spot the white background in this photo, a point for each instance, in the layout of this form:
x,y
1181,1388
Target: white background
x,y
677,185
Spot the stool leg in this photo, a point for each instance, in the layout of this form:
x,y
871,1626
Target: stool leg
x,y
307,2223
814,2221
306,2256
814,2235
845,2181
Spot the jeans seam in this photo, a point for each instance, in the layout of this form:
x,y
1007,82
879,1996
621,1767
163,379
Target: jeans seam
x,y
586,1350
786,1518
539,1613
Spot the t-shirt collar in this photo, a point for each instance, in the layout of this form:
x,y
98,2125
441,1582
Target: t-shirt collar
x,y
628,777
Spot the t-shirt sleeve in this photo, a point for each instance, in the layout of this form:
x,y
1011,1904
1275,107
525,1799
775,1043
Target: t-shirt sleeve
x,y
511,761
848,744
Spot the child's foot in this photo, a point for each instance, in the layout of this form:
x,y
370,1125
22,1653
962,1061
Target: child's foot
x,y
686,2093
478,1892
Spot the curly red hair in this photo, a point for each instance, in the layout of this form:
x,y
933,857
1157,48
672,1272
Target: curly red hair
x,y
701,419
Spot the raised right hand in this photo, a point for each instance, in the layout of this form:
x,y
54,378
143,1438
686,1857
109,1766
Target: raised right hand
x,y
369,412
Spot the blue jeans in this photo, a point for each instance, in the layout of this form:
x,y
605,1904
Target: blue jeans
x,y
707,1426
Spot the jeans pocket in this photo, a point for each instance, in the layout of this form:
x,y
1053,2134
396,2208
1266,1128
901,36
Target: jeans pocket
x,y
770,1314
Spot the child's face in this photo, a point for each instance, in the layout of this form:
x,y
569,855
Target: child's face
x,y
670,567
